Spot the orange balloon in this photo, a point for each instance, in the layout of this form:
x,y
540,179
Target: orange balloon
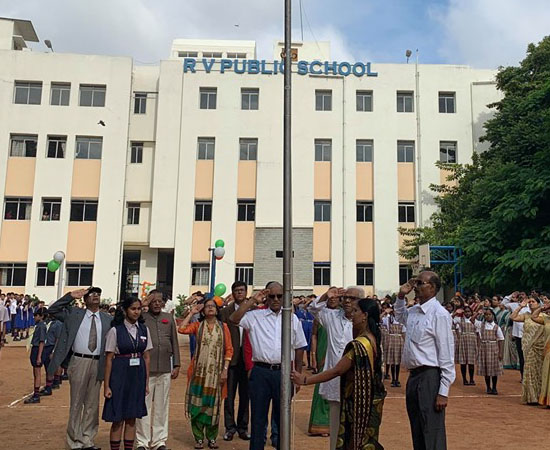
x,y
218,300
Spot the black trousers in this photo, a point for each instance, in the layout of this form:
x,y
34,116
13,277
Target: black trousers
x,y
519,348
427,425
237,378
264,387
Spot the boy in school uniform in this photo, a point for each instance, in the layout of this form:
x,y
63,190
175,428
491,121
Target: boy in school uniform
x,y
53,333
37,344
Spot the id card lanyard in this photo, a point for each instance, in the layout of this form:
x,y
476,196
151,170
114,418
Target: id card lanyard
x,y
134,361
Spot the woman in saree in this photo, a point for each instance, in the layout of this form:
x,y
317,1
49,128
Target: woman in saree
x,y
502,319
207,373
544,319
532,344
362,391
320,410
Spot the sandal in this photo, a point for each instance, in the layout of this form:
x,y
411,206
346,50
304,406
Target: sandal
x,y
199,444
212,444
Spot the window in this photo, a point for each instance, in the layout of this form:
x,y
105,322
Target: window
x,y
13,274
60,94
405,102
323,100
405,274
447,151
203,211
250,98
83,211
406,212
405,151
27,93
88,147
140,102
205,148
245,272
136,153
133,213
23,145
363,148
248,149
363,100
321,274
187,54
323,149
211,54
92,95
56,146
246,210
51,209
364,211
447,102
365,275
232,55
200,274
208,98
322,211
17,208
80,274
43,276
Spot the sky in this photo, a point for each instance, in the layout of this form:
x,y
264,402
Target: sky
x,y
480,33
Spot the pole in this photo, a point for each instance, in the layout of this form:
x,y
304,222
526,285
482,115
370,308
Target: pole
x,y
60,279
285,432
212,272
419,218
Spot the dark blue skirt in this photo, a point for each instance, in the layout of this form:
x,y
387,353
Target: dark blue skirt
x,y
127,384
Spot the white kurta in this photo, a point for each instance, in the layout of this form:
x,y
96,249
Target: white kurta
x,y
339,334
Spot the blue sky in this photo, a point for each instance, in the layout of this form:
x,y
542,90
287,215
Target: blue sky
x,y
481,33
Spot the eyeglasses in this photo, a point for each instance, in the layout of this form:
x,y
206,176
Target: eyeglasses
x,y
350,297
273,296
418,282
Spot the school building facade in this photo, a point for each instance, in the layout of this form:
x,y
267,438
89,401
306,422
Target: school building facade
x,y
135,171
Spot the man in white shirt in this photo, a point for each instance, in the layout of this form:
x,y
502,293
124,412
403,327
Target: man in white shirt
x,y
264,328
512,302
339,327
429,355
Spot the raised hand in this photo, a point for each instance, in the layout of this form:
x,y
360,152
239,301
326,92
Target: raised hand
x,y
407,287
79,293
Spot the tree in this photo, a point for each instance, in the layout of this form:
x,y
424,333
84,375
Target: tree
x,y
499,210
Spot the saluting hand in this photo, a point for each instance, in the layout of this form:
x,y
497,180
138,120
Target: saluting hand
x,y
260,296
406,288
79,293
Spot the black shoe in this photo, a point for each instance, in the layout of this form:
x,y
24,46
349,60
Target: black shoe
x,y
489,391
386,377
93,447
46,391
162,447
32,399
228,436
472,383
142,448
494,391
397,384
64,377
244,435
56,385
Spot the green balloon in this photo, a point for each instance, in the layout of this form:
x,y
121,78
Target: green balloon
x,y
220,289
53,265
219,243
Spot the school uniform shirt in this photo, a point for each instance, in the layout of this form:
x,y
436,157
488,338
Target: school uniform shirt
x,y
429,340
39,334
340,333
386,323
489,326
517,327
54,331
13,308
264,332
82,338
111,338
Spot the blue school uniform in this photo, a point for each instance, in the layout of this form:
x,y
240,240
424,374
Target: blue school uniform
x,y
38,336
27,313
20,318
127,381
32,309
306,319
52,335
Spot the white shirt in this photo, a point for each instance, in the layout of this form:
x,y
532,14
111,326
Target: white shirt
x,y
264,330
13,307
429,340
169,306
111,342
80,344
386,323
339,334
517,327
489,326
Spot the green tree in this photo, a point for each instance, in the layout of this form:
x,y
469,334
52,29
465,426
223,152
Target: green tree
x,y
499,210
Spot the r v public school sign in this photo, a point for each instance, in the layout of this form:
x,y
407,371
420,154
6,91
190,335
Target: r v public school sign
x,y
255,66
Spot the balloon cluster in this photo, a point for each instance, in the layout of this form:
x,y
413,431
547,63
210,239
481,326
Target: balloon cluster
x,y
219,253
55,263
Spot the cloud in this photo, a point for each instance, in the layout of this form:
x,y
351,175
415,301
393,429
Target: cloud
x,y
490,33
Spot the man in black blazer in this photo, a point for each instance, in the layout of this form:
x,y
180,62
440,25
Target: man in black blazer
x,y
236,376
82,341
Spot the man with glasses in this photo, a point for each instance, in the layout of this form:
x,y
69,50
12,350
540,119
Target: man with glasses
x,y
429,355
164,366
264,327
333,310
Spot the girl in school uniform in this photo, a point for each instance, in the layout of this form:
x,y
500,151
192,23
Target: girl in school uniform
x,y
395,342
490,341
20,320
127,346
467,345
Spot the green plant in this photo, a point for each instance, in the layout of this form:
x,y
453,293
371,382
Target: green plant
x,y
180,305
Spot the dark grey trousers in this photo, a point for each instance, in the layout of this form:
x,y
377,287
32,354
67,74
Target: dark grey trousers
x,y
427,425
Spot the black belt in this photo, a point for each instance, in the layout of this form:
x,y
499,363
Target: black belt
x,y
80,355
267,366
419,370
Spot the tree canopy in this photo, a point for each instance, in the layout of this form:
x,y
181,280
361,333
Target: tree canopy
x,y
498,211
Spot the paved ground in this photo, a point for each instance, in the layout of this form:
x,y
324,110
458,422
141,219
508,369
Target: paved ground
x,y
474,419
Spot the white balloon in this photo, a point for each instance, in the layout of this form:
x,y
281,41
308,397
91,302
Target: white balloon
x,y
59,256
219,252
